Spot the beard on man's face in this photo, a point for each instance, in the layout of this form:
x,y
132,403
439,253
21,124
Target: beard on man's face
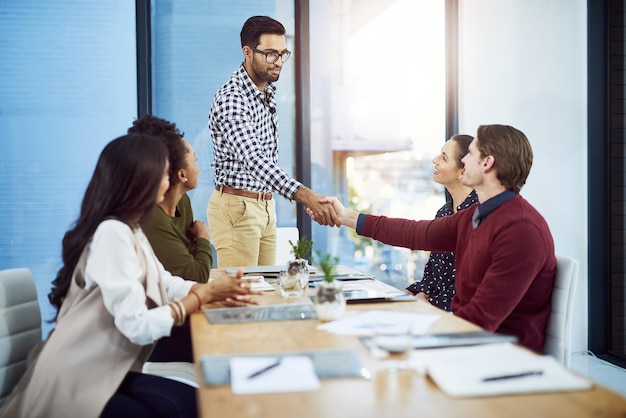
x,y
266,72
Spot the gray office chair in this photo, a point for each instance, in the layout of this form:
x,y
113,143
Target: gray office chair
x,y
283,248
20,325
559,329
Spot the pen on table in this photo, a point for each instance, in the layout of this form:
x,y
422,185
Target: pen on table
x,y
265,369
513,376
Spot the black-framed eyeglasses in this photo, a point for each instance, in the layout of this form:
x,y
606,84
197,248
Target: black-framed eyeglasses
x,y
272,57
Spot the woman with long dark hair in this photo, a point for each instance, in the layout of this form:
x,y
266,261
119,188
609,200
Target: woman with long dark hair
x,y
438,285
114,300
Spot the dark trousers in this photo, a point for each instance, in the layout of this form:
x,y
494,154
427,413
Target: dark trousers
x,y
146,395
176,347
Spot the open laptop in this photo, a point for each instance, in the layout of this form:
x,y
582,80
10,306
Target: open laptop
x,y
343,273
376,296
342,276
373,291
372,296
265,271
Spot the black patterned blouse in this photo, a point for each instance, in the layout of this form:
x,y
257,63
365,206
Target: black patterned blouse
x,y
438,279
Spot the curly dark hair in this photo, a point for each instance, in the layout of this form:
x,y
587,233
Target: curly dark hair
x,y
170,135
123,186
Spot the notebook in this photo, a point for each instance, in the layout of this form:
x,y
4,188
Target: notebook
x,y
460,339
454,339
497,369
279,312
328,363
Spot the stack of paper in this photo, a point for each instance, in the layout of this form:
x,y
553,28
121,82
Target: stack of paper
x,y
495,369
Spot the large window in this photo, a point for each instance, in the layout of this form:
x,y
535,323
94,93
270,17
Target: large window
x,y
67,87
373,105
378,117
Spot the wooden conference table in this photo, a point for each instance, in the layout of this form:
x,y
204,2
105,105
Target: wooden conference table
x,y
386,394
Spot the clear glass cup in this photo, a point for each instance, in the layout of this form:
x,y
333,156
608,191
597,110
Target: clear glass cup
x,y
392,344
290,285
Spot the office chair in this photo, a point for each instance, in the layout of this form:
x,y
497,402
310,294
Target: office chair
x,y
559,328
283,248
176,370
20,325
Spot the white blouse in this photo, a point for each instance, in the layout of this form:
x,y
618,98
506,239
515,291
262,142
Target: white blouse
x,y
113,265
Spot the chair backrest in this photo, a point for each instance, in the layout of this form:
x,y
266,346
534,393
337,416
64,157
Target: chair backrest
x,y
283,249
20,325
559,329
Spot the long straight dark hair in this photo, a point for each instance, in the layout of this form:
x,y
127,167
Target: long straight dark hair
x,y
124,186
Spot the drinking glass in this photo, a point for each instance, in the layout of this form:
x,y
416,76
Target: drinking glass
x,y
392,344
290,285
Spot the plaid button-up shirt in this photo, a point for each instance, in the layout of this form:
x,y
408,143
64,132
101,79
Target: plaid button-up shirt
x,y
244,127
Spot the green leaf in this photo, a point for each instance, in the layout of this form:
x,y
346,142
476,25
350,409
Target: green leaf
x,y
301,248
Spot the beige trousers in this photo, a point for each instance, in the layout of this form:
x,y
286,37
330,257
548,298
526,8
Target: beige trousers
x,y
243,230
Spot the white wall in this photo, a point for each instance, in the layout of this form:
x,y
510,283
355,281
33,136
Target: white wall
x,y
524,63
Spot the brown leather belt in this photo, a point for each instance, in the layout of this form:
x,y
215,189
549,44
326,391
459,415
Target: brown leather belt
x,y
244,193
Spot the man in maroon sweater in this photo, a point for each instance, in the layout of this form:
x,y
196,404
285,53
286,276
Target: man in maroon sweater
x,y
505,262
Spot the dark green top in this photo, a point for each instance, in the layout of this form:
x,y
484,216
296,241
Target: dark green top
x,y
179,255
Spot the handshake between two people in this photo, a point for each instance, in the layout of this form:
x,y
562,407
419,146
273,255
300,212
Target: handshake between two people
x,y
340,214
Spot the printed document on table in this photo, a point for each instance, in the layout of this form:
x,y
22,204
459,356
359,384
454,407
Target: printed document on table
x,y
363,324
263,375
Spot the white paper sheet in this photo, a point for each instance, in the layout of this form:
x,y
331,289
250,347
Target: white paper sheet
x,y
259,283
363,324
293,374
461,371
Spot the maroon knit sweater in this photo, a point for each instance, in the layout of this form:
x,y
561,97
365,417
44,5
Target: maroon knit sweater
x,y
504,268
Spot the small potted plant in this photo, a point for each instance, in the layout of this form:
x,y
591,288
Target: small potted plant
x,y
301,249
330,303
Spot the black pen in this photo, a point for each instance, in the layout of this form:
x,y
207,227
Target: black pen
x,y
513,376
265,369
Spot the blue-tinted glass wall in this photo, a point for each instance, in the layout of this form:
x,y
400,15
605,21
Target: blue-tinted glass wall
x,y
67,87
195,49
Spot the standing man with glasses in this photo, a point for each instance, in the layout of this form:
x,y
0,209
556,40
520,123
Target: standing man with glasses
x,y
244,127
